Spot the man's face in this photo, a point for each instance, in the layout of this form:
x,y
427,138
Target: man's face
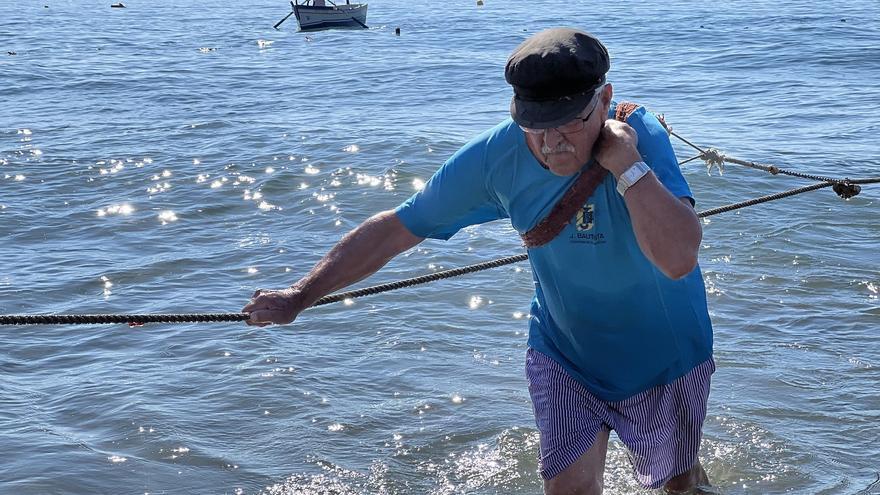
x,y
567,148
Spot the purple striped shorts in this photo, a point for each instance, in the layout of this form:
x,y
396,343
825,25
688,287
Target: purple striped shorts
x,y
661,427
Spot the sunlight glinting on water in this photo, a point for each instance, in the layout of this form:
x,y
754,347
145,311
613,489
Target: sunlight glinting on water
x,y
120,209
159,188
475,302
167,216
107,285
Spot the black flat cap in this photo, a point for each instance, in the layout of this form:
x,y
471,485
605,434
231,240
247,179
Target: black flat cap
x,y
554,75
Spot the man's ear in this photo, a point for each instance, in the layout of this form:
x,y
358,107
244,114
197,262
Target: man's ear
x,y
607,95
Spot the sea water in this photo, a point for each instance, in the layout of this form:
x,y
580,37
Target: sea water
x,y
175,156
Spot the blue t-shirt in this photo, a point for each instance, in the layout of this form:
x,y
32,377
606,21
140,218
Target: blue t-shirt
x,y
601,309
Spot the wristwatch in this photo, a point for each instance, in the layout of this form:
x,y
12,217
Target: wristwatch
x,y
632,175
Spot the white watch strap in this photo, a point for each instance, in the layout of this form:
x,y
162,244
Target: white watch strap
x,y
632,175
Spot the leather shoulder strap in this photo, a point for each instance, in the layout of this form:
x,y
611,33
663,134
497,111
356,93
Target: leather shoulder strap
x,y
547,229
624,110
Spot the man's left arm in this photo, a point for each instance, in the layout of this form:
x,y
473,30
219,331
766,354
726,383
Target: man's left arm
x,y
667,227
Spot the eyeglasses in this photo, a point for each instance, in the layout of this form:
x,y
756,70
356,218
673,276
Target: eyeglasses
x,y
573,126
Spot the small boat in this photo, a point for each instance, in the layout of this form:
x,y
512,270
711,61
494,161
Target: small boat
x,y
317,14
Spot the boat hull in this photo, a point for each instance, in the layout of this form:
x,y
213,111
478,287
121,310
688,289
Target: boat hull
x,y
312,18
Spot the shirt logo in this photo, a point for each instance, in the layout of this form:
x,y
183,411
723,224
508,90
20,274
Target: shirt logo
x,y
584,221
584,218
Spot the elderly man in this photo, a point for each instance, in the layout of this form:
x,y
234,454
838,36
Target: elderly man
x,y
619,333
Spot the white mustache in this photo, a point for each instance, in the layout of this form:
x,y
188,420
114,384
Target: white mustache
x,y
561,148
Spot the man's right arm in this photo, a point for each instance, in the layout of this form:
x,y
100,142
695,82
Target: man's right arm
x,y
358,255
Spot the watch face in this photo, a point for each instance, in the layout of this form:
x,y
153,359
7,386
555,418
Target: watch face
x,y
631,176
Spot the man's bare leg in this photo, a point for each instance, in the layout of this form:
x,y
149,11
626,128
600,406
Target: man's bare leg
x,y
688,481
584,476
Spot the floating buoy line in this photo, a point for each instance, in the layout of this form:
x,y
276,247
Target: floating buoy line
x,y
846,188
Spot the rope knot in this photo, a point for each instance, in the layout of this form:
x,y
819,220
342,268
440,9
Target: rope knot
x,y
713,157
846,189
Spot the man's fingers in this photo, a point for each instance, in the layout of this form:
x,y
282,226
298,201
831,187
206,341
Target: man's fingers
x,y
267,307
251,306
257,302
263,317
621,130
257,318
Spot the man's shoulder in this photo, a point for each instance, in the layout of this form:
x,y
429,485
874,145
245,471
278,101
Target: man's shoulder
x,y
493,145
505,133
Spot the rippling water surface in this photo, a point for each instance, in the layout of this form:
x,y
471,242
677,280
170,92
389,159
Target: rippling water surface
x,y
161,158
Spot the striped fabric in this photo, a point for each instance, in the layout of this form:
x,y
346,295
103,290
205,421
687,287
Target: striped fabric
x,y
661,427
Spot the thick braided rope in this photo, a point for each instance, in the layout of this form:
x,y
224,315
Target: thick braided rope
x,y
132,319
137,319
763,199
423,279
865,180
